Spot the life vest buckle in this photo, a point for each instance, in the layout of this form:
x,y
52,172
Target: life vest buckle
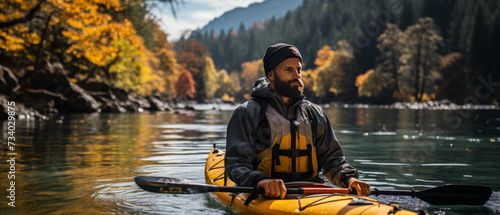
x,y
293,153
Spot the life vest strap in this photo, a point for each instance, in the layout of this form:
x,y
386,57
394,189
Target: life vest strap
x,y
293,153
291,176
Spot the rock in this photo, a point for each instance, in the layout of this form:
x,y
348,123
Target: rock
x,y
50,76
114,99
41,100
78,100
55,91
20,110
157,104
8,81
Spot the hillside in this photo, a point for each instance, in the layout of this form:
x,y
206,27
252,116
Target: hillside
x,y
256,12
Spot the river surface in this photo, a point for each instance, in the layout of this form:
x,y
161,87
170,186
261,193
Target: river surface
x,y
85,163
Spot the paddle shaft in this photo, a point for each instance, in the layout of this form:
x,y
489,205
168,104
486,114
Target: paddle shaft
x,y
441,195
204,188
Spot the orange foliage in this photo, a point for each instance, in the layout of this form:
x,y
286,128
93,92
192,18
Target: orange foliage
x,y
185,85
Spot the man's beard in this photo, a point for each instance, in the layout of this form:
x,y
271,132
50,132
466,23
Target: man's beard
x,y
285,88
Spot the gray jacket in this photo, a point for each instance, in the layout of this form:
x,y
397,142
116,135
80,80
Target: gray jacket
x,y
246,136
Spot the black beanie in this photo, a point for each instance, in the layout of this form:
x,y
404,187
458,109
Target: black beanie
x,y
277,53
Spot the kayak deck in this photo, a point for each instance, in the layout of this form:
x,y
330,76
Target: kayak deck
x,y
292,204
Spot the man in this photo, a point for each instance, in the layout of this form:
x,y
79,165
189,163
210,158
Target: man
x,y
278,136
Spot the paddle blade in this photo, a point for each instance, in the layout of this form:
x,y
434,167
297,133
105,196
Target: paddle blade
x,y
456,195
169,185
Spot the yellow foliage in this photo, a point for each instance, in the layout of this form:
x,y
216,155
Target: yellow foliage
x,y
227,98
18,37
323,55
337,73
360,79
371,84
250,73
210,78
130,70
92,33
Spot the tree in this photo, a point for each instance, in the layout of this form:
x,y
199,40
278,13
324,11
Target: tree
x,y
209,83
251,71
184,86
391,44
166,68
453,85
422,57
338,74
371,84
130,69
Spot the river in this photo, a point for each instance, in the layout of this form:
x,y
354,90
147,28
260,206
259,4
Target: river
x,y
85,163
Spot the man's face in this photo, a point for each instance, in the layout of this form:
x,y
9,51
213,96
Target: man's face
x,y
287,78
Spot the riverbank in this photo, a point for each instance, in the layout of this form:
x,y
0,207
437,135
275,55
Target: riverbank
x,y
48,90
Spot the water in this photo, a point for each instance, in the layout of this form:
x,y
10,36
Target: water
x,y
85,163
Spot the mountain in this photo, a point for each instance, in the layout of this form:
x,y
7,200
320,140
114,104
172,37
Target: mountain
x,y
256,12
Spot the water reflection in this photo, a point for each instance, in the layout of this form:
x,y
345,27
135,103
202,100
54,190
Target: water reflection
x,y
86,162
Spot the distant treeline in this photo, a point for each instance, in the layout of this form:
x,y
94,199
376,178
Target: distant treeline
x,y
447,56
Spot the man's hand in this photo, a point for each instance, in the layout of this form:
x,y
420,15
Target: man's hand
x,y
273,188
361,187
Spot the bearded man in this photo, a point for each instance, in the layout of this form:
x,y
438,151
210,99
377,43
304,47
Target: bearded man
x,y
278,136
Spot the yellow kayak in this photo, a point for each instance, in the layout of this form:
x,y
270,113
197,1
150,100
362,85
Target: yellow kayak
x,y
293,204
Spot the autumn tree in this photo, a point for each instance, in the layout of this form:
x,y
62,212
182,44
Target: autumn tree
x,y
338,74
184,86
422,57
164,67
81,32
208,80
251,71
391,44
191,55
373,86
194,56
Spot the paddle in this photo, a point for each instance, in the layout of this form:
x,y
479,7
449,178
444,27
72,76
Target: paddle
x,y
442,195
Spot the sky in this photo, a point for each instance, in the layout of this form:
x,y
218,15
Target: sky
x,y
193,14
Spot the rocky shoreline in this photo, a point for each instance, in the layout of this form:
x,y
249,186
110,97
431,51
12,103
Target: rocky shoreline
x,y
48,90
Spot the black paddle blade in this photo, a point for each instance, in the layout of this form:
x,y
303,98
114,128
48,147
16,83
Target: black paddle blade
x,y
456,195
165,185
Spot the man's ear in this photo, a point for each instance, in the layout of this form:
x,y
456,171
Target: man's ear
x,y
270,75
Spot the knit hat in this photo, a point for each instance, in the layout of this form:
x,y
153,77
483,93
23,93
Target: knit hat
x,y
277,53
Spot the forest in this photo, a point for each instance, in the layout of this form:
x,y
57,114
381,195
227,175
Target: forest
x,y
379,51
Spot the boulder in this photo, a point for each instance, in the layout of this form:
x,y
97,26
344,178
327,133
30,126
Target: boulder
x,y
49,90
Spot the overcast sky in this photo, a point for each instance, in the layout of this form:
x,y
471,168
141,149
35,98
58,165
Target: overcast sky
x,y
193,14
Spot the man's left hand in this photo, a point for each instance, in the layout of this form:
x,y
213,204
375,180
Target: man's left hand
x,y
361,187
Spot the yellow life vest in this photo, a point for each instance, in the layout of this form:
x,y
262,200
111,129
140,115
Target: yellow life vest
x,y
291,155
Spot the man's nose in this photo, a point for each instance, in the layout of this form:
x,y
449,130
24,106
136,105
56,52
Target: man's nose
x,y
297,74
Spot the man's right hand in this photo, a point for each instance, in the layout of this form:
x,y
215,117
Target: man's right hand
x,y
273,188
